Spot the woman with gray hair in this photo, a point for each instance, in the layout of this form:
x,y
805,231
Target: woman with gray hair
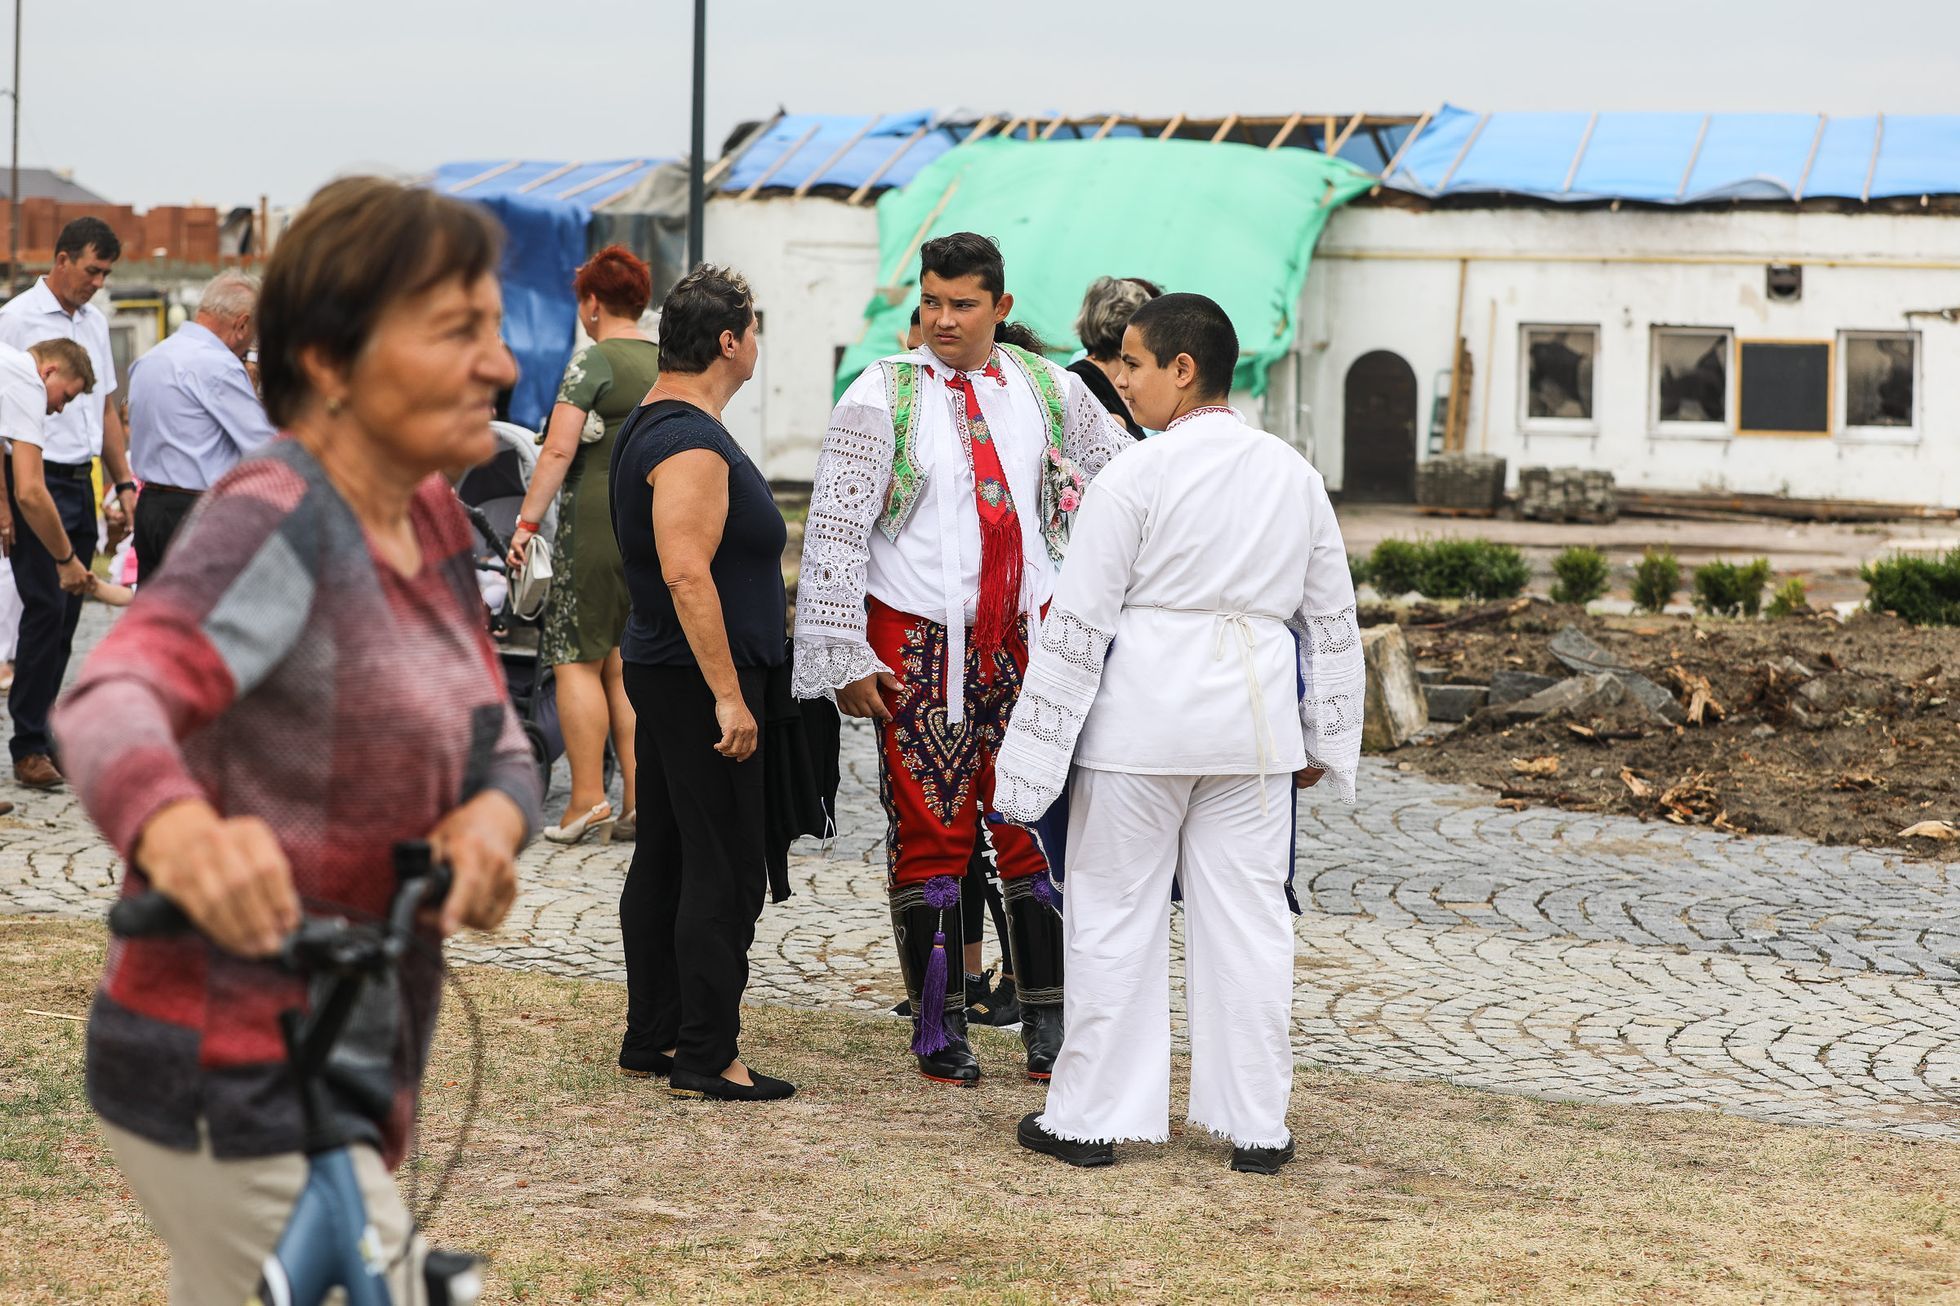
x,y
1106,310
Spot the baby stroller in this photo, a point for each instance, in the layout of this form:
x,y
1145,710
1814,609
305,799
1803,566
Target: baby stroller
x,y
493,493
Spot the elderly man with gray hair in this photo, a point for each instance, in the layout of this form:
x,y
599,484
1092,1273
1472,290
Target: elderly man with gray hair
x,y
193,412
1106,311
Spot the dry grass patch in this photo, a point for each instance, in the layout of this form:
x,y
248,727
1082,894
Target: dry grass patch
x,y
873,1184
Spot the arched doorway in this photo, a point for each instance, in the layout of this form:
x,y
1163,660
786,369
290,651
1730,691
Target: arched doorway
x,y
1379,430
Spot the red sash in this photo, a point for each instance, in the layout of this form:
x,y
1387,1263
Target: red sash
x,y
1001,557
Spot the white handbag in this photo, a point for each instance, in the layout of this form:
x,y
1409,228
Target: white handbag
x,y
531,586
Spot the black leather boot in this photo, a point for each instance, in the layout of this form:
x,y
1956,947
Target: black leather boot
x,y
923,929
1034,930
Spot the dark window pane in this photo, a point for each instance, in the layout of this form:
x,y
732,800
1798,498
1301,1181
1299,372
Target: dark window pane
x,y
1878,374
1693,372
1559,373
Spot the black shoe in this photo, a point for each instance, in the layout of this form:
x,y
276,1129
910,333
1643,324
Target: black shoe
x,y
1041,1034
1036,1139
1261,1160
954,1063
644,1065
685,1083
904,1008
994,1007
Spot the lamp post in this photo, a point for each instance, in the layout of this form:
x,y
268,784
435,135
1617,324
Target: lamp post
x,y
696,164
13,184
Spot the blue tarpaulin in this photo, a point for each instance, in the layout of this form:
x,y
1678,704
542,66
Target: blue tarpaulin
x,y
1681,158
544,208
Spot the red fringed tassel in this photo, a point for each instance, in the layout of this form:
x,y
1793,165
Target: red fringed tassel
x,y
1000,588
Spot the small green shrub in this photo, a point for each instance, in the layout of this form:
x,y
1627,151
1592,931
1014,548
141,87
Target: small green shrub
x,y
1656,578
1471,569
1925,591
1790,598
1359,570
1726,590
1581,575
1395,566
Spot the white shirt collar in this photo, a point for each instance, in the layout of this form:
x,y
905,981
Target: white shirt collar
x,y
44,300
925,355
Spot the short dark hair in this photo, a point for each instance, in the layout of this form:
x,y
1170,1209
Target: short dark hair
x,y
81,233
702,305
619,278
1191,324
964,254
361,245
915,315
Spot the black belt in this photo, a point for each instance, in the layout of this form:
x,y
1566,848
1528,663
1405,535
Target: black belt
x,y
151,487
69,471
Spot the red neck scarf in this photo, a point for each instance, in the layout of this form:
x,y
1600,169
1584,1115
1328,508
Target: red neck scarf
x,y
1001,560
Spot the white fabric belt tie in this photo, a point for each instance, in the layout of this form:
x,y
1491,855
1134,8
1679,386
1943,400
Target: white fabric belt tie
x,y
1241,623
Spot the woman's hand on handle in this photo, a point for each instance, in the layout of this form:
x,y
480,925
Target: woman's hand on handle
x,y
230,876
479,842
738,732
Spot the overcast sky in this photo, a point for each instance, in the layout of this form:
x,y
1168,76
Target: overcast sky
x,y
172,101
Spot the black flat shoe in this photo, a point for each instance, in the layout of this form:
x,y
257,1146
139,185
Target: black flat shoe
x,y
685,1083
1036,1139
645,1065
1261,1160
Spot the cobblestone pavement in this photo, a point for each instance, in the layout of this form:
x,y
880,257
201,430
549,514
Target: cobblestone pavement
x,y
1553,953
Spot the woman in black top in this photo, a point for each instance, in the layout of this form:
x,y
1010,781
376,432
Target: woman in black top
x,y
702,542
1106,310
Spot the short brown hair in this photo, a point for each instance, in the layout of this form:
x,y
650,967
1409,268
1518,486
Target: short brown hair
x,y
702,305
69,356
360,245
616,275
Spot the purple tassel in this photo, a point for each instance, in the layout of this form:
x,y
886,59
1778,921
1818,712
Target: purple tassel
x,y
941,892
932,1037
1044,890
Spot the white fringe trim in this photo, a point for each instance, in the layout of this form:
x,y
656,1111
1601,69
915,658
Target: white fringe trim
x,y
1216,1132
1069,1137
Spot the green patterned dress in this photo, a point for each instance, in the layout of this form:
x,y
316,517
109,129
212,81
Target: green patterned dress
x,y
586,612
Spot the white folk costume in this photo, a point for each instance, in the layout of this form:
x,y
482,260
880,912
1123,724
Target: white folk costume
x,y
939,513
1200,649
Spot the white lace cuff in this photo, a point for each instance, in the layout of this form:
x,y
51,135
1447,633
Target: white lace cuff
x,y
1335,683
822,665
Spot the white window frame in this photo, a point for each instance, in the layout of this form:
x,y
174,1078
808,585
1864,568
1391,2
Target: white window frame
x,y
1879,434
1529,425
1675,430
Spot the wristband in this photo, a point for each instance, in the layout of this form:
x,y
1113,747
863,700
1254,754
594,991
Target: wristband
x,y
63,562
125,487
531,526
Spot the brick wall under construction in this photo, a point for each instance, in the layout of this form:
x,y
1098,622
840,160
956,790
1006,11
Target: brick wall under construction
x,y
175,232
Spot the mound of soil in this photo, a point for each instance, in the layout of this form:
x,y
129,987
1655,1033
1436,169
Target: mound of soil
x,y
1839,732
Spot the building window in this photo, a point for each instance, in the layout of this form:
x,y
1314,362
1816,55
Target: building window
x,y
1880,383
1783,387
1556,382
1691,380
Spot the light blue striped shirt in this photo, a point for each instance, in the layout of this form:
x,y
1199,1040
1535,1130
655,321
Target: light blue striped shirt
x,y
192,411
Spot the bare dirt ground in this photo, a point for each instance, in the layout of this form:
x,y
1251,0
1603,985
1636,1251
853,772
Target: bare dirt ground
x,y
1841,733
874,1185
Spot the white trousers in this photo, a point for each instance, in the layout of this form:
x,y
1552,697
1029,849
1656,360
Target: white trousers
x,y
1128,834
10,610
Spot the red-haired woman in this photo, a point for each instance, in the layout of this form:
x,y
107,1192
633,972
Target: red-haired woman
x,y
586,612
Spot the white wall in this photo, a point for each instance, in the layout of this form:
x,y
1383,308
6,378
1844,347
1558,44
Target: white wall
x,y
813,264
1549,267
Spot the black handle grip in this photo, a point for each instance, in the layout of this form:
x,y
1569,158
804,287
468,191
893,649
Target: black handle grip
x,y
148,915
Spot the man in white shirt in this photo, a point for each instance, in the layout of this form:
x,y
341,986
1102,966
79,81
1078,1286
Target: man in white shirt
x,y
938,516
57,308
193,412
1200,659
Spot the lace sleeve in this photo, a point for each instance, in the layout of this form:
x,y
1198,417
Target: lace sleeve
x,y
1091,434
1063,675
1332,676
853,469
1065,670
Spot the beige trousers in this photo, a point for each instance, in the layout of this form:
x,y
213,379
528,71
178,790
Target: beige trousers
x,y
221,1219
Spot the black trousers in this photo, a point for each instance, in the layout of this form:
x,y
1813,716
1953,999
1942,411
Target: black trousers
x,y
48,614
687,913
159,512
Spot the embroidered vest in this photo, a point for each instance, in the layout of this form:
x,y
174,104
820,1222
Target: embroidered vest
x,y
902,394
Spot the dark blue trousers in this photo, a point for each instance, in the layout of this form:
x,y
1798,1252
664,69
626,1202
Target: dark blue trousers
x,y
48,615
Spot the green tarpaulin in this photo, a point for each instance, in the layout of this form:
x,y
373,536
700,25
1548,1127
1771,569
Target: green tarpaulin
x,y
1233,222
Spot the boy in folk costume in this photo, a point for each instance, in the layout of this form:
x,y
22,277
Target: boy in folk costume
x,y
937,520
1199,661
